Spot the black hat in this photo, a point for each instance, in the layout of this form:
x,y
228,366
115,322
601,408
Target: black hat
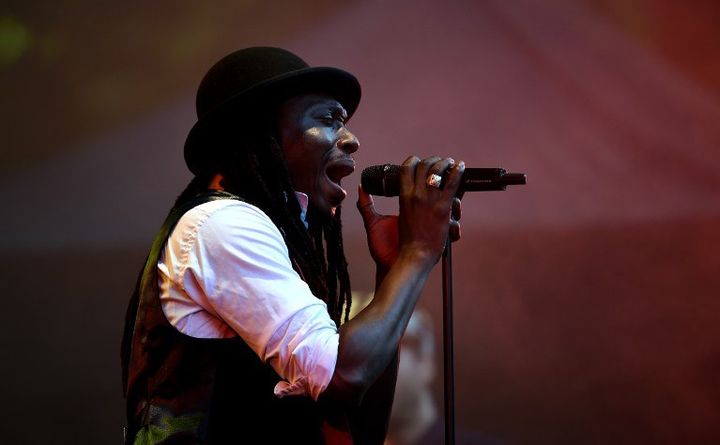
x,y
260,77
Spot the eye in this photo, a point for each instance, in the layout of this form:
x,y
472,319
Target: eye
x,y
332,119
332,116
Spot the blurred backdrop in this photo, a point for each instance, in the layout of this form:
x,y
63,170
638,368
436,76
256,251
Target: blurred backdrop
x,y
586,301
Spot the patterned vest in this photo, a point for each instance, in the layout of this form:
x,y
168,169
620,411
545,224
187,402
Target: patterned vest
x,y
186,390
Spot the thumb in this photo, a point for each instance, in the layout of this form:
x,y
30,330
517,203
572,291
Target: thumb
x,y
366,206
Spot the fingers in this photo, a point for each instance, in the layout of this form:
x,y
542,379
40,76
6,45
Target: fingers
x,y
454,230
453,176
441,166
407,174
366,206
455,215
428,210
415,173
426,167
456,209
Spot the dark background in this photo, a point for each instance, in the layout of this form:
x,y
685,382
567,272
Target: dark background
x,y
586,302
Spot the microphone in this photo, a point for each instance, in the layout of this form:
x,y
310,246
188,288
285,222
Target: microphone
x,y
384,180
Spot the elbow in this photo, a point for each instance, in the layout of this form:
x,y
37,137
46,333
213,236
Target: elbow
x,y
348,387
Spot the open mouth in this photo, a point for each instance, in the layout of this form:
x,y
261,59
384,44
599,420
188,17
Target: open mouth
x,y
335,172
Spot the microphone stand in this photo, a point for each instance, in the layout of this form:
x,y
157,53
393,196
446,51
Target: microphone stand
x,y
448,368
484,179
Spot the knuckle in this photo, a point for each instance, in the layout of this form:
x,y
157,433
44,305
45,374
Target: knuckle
x,y
408,168
411,160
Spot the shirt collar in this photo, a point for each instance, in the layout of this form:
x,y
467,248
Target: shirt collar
x,y
303,201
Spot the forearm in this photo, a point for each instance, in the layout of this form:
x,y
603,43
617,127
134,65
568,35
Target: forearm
x,y
369,341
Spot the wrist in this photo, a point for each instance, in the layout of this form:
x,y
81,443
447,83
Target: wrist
x,y
414,258
416,255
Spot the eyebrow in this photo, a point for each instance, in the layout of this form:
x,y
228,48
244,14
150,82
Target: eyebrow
x,y
333,106
339,109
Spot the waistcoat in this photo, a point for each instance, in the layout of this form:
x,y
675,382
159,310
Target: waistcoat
x,y
186,390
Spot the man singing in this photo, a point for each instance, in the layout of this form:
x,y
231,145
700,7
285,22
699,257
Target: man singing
x,y
234,332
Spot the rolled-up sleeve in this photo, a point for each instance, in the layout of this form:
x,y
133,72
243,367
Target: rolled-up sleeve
x,y
239,271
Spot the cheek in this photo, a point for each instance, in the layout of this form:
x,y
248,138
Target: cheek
x,y
316,145
317,141
313,133
305,157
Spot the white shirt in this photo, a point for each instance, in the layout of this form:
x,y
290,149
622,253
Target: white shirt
x,y
226,271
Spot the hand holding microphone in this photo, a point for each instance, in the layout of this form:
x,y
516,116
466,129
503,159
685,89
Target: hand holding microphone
x,y
429,211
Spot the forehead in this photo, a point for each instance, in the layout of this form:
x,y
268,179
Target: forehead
x,y
310,102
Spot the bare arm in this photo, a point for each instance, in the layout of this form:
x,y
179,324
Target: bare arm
x,y
369,342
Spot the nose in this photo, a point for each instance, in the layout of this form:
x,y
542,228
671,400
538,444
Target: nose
x,y
347,141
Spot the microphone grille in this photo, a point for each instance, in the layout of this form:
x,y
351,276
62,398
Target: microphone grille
x,y
381,180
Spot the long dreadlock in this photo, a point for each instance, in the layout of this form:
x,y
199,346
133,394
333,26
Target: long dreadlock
x,y
254,168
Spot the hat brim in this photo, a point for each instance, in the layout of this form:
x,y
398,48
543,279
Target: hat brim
x,y
340,84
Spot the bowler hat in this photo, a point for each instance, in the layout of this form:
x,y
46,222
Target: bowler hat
x,y
255,79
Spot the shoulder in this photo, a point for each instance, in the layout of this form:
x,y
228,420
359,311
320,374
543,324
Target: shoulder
x,y
222,227
224,211
226,217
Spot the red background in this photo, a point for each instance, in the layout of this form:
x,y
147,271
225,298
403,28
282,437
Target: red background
x,y
586,301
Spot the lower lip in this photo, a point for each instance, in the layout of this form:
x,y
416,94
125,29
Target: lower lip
x,y
339,193
339,187
335,192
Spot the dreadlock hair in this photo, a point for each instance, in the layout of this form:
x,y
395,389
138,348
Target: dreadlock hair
x,y
254,168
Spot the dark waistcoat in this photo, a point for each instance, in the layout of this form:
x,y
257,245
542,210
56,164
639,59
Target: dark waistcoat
x,y
185,390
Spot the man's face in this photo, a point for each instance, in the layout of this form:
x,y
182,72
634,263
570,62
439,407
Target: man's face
x,y
317,147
